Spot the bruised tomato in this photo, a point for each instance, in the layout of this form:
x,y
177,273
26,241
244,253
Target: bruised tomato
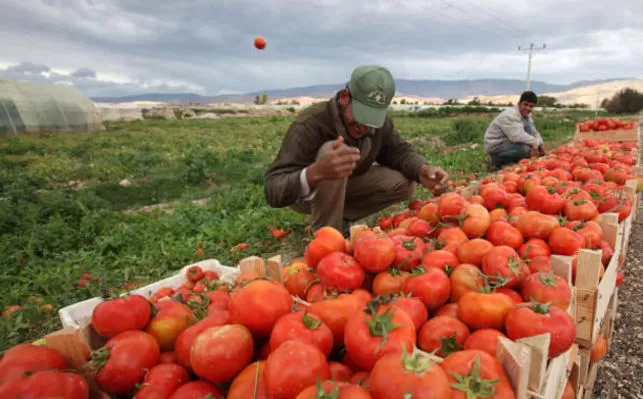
x,y
408,251
476,220
466,278
258,305
336,312
450,207
408,375
443,334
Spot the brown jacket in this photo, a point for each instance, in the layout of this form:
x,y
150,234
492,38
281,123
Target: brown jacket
x,y
320,123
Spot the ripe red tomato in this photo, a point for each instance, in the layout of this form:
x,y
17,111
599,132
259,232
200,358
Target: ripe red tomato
x,y
429,213
339,271
466,278
432,287
297,281
485,339
441,259
452,235
375,254
450,310
416,227
25,358
186,338
197,390
325,240
219,353
599,349
503,233
450,207
219,300
260,43
539,264
194,273
495,198
532,319
115,316
564,241
249,381
408,251
580,210
258,305
303,327
513,295
162,380
340,372
334,389
46,384
476,220
293,367
408,375
444,334
479,366
504,261
473,251
537,225
545,288
545,199
124,361
168,358
389,282
414,308
484,310
336,312
534,247
377,332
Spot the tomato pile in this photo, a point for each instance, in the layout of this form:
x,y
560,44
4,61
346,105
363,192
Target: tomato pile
x,y
414,305
603,124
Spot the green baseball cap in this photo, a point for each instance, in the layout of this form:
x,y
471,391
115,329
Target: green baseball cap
x,y
372,89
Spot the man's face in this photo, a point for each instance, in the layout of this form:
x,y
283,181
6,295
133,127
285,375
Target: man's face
x,y
525,108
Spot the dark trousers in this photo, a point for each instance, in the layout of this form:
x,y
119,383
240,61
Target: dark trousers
x,y
509,153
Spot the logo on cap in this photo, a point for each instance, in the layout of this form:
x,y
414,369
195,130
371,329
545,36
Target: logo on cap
x,y
377,97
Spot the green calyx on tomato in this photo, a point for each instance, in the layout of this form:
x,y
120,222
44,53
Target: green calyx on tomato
x,y
513,264
99,359
320,392
548,279
311,323
409,244
416,362
449,345
492,283
380,325
540,308
473,384
418,271
552,190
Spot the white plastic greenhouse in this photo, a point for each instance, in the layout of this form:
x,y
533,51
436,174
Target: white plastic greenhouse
x,y
36,108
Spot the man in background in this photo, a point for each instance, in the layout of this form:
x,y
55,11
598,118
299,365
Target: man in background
x,y
342,159
512,136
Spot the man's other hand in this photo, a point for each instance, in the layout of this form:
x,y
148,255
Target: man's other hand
x,y
336,160
434,179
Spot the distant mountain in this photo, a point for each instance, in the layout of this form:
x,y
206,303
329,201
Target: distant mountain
x,y
420,88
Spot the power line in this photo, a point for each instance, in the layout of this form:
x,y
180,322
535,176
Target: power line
x,y
531,51
502,29
503,21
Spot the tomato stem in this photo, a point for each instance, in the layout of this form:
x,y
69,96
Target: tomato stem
x,y
548,279
449,345
473,385
310,322
416,362
380,325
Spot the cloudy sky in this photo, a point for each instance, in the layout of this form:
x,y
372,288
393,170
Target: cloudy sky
x,y
120,47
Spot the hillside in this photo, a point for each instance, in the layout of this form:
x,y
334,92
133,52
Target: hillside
x,y
420,89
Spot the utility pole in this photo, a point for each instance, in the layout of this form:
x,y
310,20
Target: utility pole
x,y
531,50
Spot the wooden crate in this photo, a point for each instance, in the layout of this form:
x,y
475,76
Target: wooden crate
x,y
587,370
612,135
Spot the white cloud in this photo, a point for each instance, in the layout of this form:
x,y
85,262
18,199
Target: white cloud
x,y
206,47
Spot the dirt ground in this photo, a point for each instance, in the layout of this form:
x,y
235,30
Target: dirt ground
x,y
620,374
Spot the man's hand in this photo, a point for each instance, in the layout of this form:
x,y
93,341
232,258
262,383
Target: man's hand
x,y
541,151
336,160
533,152
434,178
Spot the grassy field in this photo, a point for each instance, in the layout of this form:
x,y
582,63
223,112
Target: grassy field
x,y
63,212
